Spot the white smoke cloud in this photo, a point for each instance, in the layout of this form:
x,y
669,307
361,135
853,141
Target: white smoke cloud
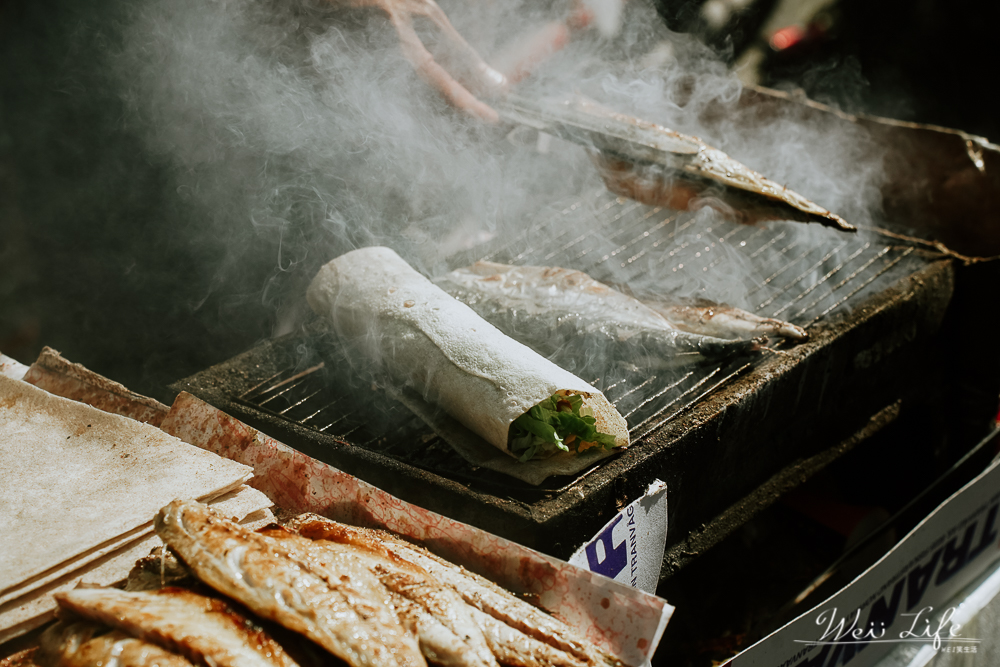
x,y
301,123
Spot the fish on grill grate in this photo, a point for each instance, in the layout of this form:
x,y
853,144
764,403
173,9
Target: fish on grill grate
x,y
660,167
715,319
564,313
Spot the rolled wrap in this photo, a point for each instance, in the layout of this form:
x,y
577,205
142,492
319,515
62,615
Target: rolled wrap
x,y
442,349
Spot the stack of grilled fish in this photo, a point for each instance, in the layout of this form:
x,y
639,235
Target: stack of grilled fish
x,y
251,598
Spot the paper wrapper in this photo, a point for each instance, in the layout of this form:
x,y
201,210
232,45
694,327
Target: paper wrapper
x,y
441,353
56,375
623,620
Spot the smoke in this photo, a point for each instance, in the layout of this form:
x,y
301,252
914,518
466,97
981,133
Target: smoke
x,y
306,124
298,128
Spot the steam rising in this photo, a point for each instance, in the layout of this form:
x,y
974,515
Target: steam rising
x,y
299,124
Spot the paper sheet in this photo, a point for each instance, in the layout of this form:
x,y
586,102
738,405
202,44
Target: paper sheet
x,y
73,477
629,548
30,610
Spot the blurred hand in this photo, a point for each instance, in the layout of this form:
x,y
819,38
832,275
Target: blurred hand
x,y
465,76
469,68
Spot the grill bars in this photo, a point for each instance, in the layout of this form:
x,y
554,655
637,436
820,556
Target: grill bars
x,y
798,272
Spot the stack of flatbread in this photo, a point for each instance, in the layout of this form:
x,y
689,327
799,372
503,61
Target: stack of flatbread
x,y
78,489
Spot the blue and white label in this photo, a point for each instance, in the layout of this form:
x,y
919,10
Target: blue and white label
x,y
629,549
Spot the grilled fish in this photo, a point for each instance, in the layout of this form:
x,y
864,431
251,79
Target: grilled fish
x,y
660,167
516,649
333,599
564,312
443,622
203,629
447,633
713,319
473,589
443,635
438,643
158,570
85,644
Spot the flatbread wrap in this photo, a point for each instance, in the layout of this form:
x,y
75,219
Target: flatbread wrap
x,y
441,349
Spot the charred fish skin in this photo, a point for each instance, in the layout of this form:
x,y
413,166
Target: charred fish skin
x,y
273,580
711,348
562,312
203,629
84,644
702,170
661,167
475,590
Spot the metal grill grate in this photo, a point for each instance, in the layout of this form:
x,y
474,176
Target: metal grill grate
x,y
803,274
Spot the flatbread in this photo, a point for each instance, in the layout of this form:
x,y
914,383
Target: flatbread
x,y
73,477
31,609
83,560
234,504
441,349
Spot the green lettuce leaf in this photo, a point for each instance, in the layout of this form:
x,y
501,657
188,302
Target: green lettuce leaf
x,y
544,429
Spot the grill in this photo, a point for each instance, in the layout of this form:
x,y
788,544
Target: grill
x,y
712,431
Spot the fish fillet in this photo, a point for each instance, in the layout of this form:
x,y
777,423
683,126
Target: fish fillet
x,y
516,649
203,629
83,644
442,607
560,311
474,589
439,617
438,643
412,583
713,319
335,601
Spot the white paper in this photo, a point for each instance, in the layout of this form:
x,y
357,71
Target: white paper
x,y
904,597
629,548
977,610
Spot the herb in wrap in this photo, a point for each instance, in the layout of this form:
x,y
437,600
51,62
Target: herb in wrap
x,y
559,423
